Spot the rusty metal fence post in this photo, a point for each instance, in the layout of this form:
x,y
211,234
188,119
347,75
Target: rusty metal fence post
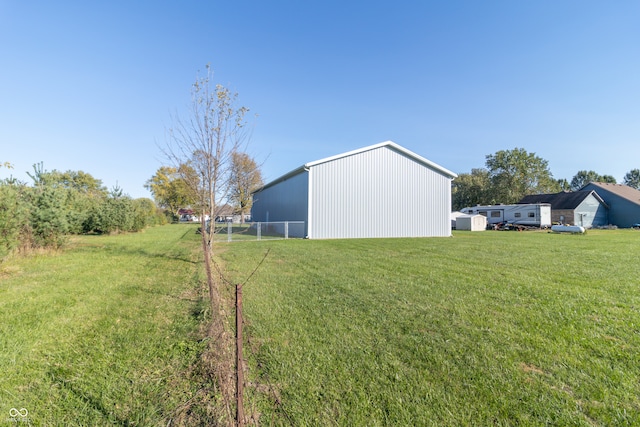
x,y
239,371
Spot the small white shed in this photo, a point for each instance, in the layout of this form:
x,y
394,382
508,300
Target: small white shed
x,y
471,222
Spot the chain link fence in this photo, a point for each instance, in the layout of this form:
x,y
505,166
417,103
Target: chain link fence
x,y
233,232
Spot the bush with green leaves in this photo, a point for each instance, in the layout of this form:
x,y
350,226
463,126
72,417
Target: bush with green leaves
x,y
79,209
13,218
145,214
48,216
113,215
122,214
59,204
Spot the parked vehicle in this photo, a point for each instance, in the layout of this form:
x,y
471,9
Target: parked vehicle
x,y
511,216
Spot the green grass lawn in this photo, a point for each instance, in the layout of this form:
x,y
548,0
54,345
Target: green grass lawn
x,y
103,333
490,328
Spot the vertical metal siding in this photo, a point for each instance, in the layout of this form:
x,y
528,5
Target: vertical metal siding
x,y
285,201
378,193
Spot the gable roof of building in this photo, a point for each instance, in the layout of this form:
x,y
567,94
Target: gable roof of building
x,y
563,199
390,144
624,191
393,146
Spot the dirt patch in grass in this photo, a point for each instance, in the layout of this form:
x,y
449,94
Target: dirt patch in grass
x,y
531,369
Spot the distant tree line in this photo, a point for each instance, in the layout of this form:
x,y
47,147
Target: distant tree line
x,y
174,188
58,204
509,175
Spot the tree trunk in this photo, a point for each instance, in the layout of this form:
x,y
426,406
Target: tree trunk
x,y
206,250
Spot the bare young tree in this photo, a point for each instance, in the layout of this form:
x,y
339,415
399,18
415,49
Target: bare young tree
x,y
205,140
204,143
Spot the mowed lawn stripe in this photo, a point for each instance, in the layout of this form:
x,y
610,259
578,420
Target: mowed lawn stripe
x,y
492,328
103,331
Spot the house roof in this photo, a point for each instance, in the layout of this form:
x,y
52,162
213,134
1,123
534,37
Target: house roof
x,y
389,144
224,210
624,191
563,199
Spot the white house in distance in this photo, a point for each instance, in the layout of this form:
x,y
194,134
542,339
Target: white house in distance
x,y
383,190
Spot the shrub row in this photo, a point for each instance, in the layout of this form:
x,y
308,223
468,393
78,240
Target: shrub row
x,y
42,216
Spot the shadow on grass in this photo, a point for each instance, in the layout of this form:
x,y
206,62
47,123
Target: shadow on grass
x,y
57,376
101,247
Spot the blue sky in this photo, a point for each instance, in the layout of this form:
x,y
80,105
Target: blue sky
x,y
92,85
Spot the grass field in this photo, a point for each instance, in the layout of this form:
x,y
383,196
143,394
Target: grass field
x,y
103,333
491,328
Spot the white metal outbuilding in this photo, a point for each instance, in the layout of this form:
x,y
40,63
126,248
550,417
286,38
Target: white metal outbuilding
x,y
471,222
382,190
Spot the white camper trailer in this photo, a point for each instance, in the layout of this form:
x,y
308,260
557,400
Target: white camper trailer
x,y
530,215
